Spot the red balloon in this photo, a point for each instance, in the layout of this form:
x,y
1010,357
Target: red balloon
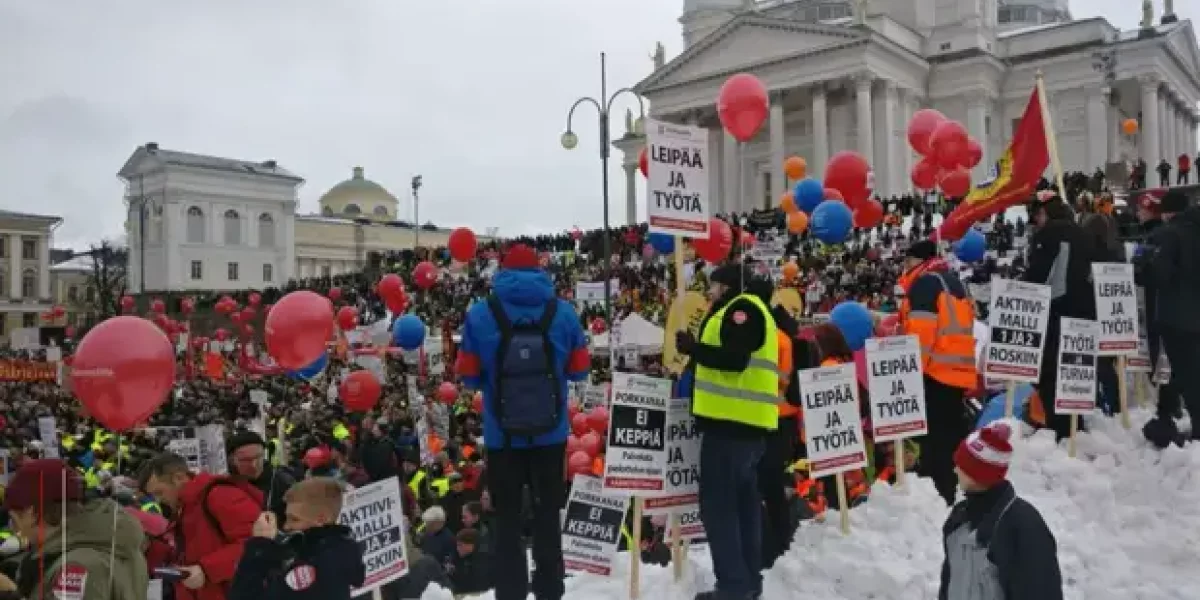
x,y
220,335
644,163
188,306
389,285
247,330
574,444
226,304
948,144
425,275
70,331
335,294
742,106
359,391
158,306
127,303
748,239
974,153
920,127
447,392
598,419
123,370
572,409
956,183
579,463
717,245
832,194
847,172
575,235
59,311
255,299
925,173
347,318
462,244
868,214
236,317
889,325
592,443
598,326
477,403
298,328
854,201
579,424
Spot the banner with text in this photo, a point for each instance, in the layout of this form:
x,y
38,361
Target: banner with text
x,y
682,471
1116,308
832,426
1077,350
677,194
896,387
375,514
636,456
1017,322
591,529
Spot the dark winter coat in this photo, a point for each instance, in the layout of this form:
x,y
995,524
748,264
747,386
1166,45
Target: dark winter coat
x,y
998,548
470,574
1176,266
320,563
1060,256
440,546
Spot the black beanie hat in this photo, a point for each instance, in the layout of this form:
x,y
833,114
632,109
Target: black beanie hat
x,y
922,250
243,438
733,275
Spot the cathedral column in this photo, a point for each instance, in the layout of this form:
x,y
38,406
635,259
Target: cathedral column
x,y
866,137
977,109
1148,133
907,156
820,121
715,174
631,194
1097,128
1165,115
778,147
1112,124
729,162
892,149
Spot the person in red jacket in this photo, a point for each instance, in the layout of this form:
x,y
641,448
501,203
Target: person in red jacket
x,y
1184,170
213,518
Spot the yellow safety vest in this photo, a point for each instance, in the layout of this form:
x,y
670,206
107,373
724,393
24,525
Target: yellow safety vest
x,y
414,484
91,478
5,534
440,485
151,507
749,397
340,432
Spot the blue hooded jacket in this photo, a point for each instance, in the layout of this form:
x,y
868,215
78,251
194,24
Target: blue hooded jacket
x,y
524,294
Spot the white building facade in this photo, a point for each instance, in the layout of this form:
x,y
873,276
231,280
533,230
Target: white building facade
x,y
849,75
197,222
25,242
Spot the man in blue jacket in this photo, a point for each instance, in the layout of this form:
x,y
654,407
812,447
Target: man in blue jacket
x,y
521,347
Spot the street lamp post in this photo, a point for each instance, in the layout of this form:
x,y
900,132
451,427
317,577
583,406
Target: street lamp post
x,y
570,140
416,192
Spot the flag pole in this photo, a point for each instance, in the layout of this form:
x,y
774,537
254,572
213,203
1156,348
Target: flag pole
x,y
1051,139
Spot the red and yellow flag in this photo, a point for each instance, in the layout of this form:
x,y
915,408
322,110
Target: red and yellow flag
x,y
1017,174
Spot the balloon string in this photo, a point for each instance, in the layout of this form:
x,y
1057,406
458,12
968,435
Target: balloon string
x,y
112,548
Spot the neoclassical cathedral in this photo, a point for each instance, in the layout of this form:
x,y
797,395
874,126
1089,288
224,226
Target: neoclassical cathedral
x,y
848,74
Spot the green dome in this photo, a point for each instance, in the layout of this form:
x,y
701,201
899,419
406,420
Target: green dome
x,y
359,184
359,197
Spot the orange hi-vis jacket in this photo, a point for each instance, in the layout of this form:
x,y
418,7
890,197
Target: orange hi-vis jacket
x,y
947,337
786,409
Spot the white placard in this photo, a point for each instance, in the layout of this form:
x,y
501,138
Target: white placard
x,y
435,359
677,195
594,395
1116,308
1140,362
636,456
1017,323
681,491
632,357
1076,390
593,291
189,449
897,387
591,529
832,425
48,432
691,526
375,513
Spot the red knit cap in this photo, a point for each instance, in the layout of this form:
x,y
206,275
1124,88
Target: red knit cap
x,y
520,256
41,482
985,454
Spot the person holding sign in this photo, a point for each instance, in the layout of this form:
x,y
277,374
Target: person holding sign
x,y
937,309
1174,265
521,347
997,545
734,399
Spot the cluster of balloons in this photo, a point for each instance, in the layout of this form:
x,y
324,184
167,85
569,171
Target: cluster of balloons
x,y
586,441
947,152
835,206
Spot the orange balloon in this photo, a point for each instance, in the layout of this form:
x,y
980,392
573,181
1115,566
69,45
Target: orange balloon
x,y
797,222
790,271
788,203
1129,126
795,168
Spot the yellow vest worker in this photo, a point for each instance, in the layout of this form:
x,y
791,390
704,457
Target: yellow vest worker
x,y
414,484
748,397
786,409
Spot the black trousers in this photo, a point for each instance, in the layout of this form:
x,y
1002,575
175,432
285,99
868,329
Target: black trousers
x,y
772,483
947,429
1047,385
1183,351
508,473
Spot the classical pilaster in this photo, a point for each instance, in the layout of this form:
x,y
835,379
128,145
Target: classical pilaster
x,y
1148,131
820,128
908,157
862,95
631,173
729,163
778,146
1097,127
14,265
892,148
715,170
977,109
1165,115
1112,125
43,248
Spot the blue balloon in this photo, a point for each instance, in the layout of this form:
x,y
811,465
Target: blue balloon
x,y
808,194
853,320
831,222
312,370
408,332
662,243
972,247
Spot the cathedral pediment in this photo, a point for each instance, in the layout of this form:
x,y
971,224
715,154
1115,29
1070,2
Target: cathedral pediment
x,y
1182,41
746,41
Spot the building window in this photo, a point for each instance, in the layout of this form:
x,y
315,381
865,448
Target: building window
x,y
268,273
89,294
29,249
381,211
232,271
3,248
28,320
3,327
29,283
73,293
233,228
266,231
195,225
352,209
3,287
766,186
326,271
197,270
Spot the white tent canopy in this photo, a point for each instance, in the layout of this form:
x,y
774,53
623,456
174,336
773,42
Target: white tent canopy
x,y
635,331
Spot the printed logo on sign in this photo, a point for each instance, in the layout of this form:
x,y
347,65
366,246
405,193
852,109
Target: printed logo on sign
x,y
301,578
739,317
71,582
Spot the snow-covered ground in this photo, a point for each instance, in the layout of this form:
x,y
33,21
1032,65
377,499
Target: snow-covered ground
x,y
1127,519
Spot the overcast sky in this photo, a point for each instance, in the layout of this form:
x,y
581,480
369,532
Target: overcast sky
x,y
472,94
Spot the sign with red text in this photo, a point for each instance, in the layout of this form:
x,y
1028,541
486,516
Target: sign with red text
x,y
1116,308
677,194
896,387
832,426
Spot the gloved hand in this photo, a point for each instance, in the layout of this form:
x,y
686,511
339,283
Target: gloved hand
x,y
685,342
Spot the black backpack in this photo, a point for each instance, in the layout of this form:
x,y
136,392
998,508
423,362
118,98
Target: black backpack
x,y
528,400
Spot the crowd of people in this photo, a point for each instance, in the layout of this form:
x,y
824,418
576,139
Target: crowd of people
x,y
215,535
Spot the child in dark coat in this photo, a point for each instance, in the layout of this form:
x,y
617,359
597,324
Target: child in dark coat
x,y
997,545
317,559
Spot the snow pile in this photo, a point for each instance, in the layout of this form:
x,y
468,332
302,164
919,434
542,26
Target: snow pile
x,y
1126,516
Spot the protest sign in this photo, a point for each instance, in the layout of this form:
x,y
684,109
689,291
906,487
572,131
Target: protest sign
x,y
202,447
682,473
375,515
832,425
24,370
48,433
1116,308
897,387
595,394
677,194
592,526
1017,322
435,358
592,292
1078,344
637,433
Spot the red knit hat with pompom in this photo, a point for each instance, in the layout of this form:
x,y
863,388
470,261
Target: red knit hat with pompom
x,y
985,454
